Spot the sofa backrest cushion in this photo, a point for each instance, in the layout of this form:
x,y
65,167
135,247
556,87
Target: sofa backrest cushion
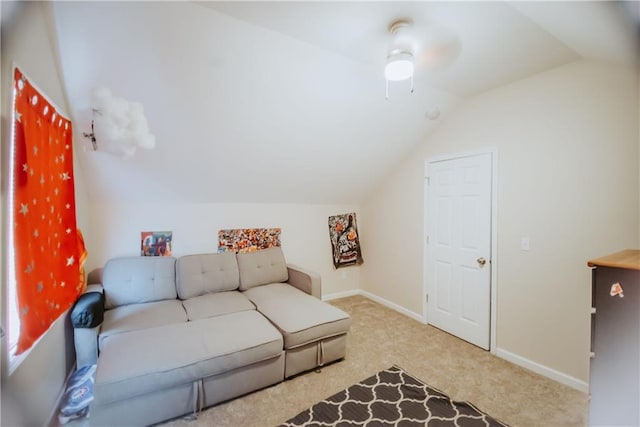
x,y
262,267
202,274
133,280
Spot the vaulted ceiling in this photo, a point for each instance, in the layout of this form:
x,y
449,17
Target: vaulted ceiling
x,y
285,101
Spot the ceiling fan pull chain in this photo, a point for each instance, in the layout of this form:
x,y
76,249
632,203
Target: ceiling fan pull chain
x,y
411,83
386,96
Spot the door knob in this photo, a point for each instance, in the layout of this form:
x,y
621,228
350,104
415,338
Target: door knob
x,y
481,261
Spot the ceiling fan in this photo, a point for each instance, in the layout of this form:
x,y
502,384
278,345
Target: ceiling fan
x,y
414,47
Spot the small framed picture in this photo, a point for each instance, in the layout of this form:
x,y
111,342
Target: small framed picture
x,y
156,243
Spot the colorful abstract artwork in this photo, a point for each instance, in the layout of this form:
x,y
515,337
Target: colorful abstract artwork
x,y
344,240
156,243
241,240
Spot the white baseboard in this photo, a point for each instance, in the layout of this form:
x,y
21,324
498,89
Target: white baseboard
x,y
543,370
502,353
393,306
379,300
343,294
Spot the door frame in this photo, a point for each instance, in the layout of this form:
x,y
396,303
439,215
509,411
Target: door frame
x,y
493,264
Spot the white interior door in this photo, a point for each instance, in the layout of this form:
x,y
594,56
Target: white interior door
x,y
458,264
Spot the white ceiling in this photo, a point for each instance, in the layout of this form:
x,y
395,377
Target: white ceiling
x,y
358,30
284,101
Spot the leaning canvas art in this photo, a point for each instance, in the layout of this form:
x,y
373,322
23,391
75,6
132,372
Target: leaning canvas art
x,y
241,240
156,243
345,242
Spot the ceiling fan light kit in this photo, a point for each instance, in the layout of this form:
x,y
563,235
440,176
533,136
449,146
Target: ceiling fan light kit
x,y
399,64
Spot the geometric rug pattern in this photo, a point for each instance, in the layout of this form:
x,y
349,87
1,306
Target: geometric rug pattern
x,y
392,398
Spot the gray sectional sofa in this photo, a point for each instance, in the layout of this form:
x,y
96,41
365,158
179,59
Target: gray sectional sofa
x,y
178,335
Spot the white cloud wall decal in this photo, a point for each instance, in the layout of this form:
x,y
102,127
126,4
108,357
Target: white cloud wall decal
x,y
119,126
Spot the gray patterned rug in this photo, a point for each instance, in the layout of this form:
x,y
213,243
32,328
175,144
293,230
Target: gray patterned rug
x,y
392,398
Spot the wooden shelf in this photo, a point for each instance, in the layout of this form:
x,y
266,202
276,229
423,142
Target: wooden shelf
x,y
629,258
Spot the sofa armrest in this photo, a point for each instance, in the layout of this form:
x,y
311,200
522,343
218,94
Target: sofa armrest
x,y
86,344
88,310
86,317
305,280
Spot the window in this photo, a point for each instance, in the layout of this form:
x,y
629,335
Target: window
x,y
13,327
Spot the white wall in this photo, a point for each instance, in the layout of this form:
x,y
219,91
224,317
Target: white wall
x,y
305,232
567,143
38,380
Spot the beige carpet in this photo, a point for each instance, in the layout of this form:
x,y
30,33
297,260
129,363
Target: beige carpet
x,y
380,338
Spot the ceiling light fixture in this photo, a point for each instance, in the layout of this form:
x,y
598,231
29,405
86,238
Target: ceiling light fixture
x,y
399,64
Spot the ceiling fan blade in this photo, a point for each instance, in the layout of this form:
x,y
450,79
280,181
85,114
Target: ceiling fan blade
x,y
439,48
439,55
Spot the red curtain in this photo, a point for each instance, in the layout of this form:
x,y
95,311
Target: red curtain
x,y
46,245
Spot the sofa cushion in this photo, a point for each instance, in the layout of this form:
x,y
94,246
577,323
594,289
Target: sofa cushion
x,y
262,267
201,274
132,280
300,317
139,362
141,316
216,304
